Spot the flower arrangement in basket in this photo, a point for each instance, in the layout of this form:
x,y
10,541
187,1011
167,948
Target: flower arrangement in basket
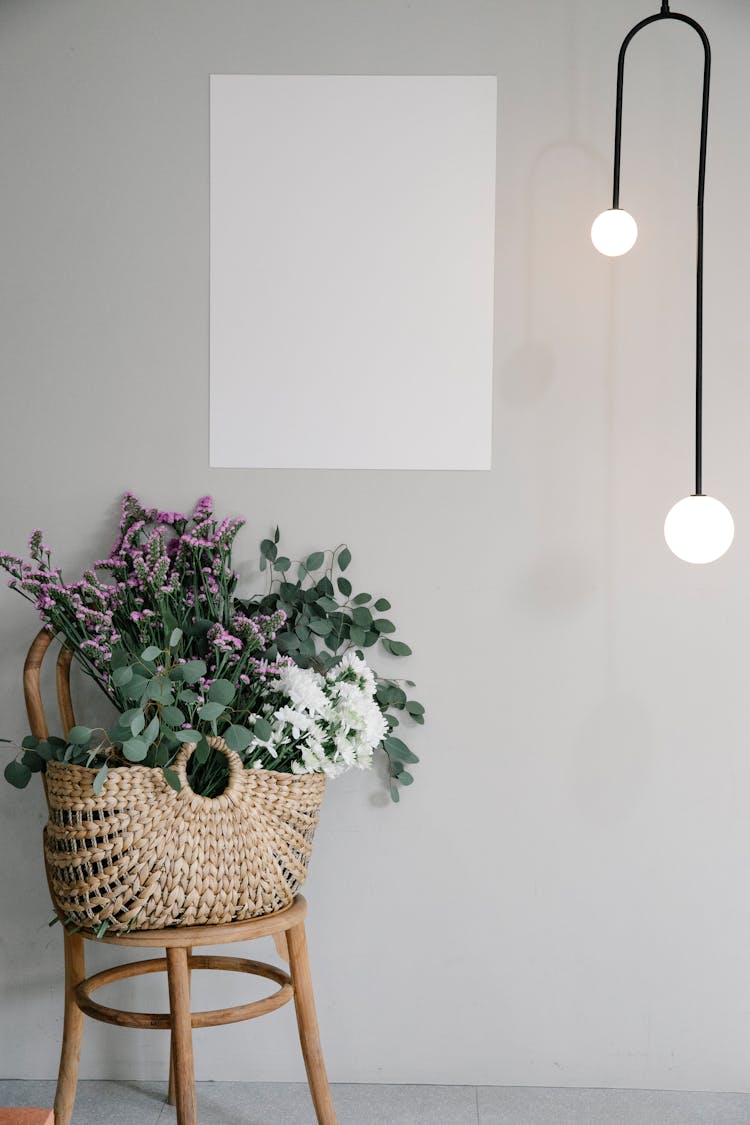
x,y
199,802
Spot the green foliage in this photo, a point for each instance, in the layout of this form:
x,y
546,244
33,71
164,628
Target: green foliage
x,y
166,697
100,778
35,753
262,729
324,618
17,774
192,671
222,691
80,736
237,738
152,732
173,780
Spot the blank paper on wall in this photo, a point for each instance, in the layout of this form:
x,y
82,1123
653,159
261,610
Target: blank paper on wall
x,y
352,252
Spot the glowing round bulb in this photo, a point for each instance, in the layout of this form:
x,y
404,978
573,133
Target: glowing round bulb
x,y
614,232
699,529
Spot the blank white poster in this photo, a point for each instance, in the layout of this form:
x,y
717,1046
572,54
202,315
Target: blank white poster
x,y
352,256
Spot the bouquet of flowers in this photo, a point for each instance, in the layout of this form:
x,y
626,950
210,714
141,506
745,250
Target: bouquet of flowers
x,y
157,625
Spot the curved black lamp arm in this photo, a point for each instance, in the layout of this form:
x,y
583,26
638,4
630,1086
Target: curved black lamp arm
x,y
665,14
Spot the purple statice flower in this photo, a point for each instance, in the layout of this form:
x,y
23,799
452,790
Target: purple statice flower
x,y
163,564
249,631
227,531
203,509
12,564
265,668
170,518
37,547
154,547
263,627
160,572
131,510
223,640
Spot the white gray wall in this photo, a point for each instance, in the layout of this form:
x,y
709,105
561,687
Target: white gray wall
x,y
562,897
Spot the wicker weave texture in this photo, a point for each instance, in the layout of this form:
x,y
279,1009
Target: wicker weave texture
x,y
141,856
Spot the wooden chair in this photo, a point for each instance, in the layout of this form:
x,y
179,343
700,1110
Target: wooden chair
x,y
287,927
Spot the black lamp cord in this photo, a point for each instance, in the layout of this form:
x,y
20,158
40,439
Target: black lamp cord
x,y
665,13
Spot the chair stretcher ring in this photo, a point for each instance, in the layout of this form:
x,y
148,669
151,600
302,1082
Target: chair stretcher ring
x,y
161,1020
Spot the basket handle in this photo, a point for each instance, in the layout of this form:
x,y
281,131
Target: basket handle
x,y
236,769
32,689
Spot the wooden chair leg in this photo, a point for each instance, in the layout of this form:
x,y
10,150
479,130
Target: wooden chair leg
x,y
67,1079
171,1090
178,976
307,1022
282,948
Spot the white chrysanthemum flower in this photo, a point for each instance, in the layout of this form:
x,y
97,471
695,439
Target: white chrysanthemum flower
x,y
305,688
352,664
364,758
344,748
331,768
375,725
333,723
313,756
297,720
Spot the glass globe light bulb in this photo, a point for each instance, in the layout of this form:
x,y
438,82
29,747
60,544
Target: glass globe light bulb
x,y
614,232
699,529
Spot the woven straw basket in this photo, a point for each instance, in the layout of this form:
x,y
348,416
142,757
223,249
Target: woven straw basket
x,y
140,856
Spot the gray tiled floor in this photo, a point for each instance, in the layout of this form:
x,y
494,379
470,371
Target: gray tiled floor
x,y
241,1103
516,1106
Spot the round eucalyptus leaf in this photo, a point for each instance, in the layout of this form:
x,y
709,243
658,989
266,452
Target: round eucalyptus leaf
x,y
193,670
80,736
173,715
211,711
237,738
135,749
262,729
222,691
137,723
17,774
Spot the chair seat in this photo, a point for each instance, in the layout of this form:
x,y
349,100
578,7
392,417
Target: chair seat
x,y
267,925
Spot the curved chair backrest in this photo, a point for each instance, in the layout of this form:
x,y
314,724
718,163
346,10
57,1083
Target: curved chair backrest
x,y
32,688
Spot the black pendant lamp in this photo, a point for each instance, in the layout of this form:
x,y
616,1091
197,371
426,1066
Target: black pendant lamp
x,y
698,529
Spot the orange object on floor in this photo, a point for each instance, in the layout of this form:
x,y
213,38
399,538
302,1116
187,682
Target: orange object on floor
x,y
26,1117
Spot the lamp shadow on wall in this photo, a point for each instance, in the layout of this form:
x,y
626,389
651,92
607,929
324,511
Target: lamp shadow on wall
x,y
567,405
563,574
559,385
